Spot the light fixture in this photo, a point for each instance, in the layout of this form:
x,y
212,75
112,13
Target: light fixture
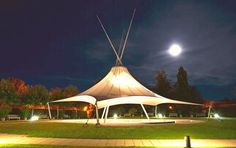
x,y
34,118
85,108
217,116
115,116
159,115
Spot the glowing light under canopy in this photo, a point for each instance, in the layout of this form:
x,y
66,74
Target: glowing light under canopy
x,y
175,50
115,116
159,115
217,116
34,118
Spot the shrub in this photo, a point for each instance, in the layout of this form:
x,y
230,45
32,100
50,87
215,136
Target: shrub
x,y
133,111
5,109
25,113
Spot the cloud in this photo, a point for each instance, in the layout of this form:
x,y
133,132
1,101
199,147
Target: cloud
x,y
208,42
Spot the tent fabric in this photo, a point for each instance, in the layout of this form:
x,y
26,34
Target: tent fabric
x,y
146,100
80,98
119,87
117,83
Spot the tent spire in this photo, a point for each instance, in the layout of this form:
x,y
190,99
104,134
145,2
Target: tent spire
x,y
112,46
127,35
120,46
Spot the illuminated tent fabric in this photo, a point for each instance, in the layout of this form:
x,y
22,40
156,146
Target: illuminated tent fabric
x,y
79,98
117,83
119,87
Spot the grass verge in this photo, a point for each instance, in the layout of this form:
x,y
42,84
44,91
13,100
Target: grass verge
x,y
212,129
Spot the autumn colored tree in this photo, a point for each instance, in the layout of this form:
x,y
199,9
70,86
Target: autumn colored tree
x,y
37,94
8,92
19,86
70,91
56,93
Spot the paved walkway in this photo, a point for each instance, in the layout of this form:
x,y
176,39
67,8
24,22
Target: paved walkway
x,y
23,139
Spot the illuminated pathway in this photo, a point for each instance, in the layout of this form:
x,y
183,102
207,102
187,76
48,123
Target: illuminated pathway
x,y
22,139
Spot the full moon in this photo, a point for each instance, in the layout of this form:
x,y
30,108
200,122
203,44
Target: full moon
x,y
175,50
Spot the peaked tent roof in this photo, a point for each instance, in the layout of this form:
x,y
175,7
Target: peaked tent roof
x,y
119,87
117,83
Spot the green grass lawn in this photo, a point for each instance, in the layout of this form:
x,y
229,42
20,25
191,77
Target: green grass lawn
x,y
212,129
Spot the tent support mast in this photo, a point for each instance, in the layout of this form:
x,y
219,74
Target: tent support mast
x,y
127,35
209,112
145,111
49,111
97,116
58,112
112,46
155,111
107,109
103,113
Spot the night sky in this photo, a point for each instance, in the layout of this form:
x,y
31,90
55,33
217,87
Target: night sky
x,y
57,43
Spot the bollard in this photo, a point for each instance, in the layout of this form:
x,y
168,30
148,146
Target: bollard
x,y
188,142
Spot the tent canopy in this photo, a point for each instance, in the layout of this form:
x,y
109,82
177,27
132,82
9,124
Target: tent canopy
x,y
79,98
117,83
119,87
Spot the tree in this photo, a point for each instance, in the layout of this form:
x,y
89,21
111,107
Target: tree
x,y
133,111
20,88
182,79
8,92
162,84
19,85
70,91
182,87
5,109
56,93
195,95
37,94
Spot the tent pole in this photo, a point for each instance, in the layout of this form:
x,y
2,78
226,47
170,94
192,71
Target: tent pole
x,y
49,111
112,46
97,114
32,112
209,112
106,114
155,112
105,110
103,113
145,111
57,112
127,35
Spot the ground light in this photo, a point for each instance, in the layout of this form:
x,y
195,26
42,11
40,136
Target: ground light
x,y
217,116
34,118
115,116
159,115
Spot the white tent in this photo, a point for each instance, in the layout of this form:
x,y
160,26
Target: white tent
x,y
119,87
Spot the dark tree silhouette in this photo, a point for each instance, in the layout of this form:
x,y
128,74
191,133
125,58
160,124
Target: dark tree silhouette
x,y
162,86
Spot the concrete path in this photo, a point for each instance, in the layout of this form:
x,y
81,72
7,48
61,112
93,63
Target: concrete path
x,y
23,139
